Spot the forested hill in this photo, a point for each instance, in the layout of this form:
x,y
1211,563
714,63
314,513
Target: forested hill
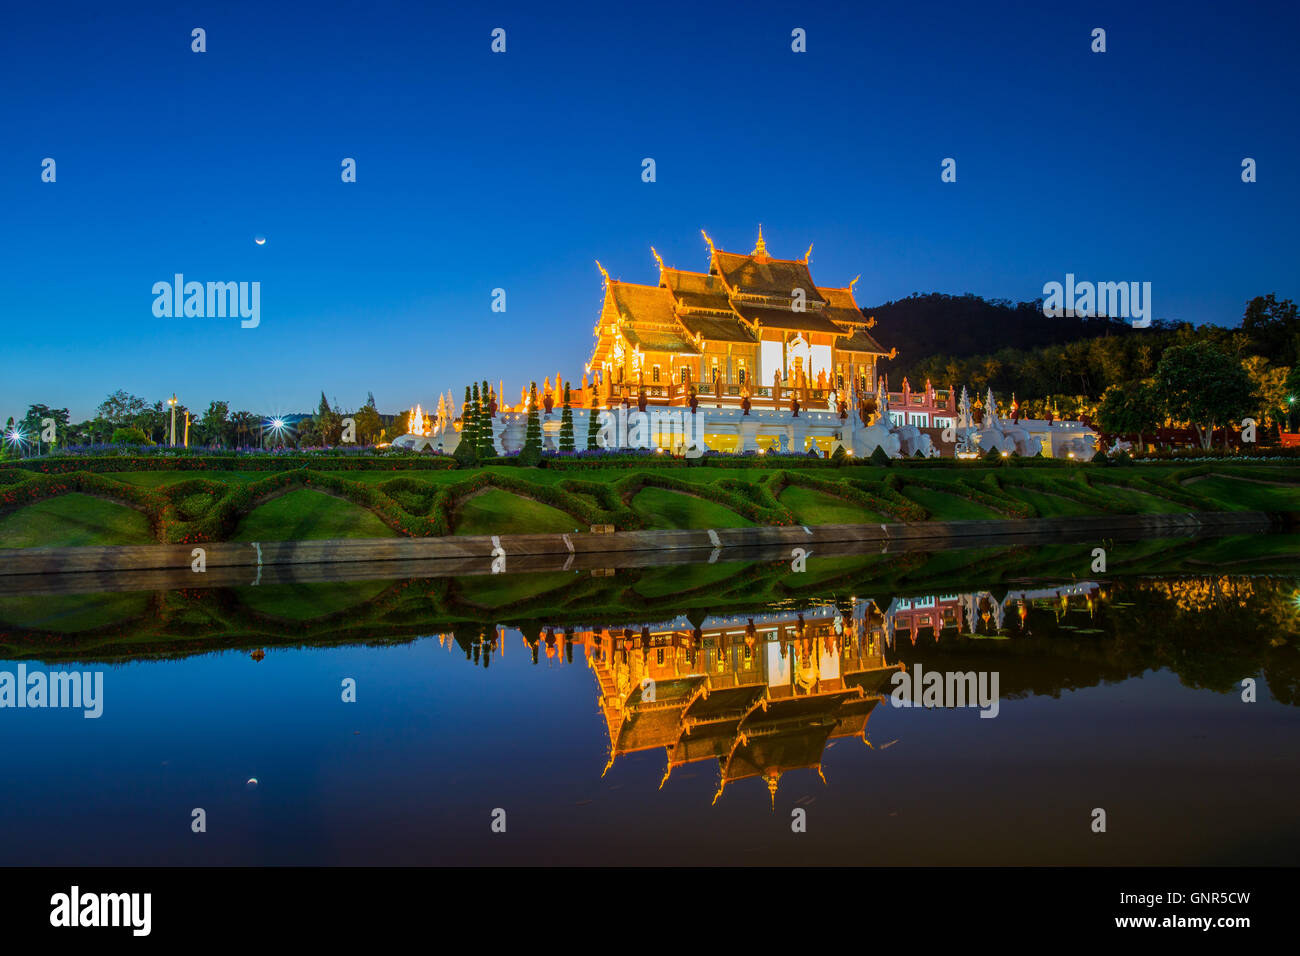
x,y
962,326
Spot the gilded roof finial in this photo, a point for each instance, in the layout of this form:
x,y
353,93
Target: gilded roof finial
x,y
808,255
602,270
855,279
708,240
773,778
658,259
760,248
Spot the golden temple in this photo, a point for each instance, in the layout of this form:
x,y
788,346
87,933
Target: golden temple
x,y
750,322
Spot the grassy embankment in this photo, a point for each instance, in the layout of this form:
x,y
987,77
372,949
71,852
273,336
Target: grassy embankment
x,y
140,507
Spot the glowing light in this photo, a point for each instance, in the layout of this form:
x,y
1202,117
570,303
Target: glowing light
x,y
416,422
1006,454
260,240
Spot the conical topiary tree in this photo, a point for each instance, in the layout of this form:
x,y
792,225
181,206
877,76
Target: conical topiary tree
x,y
466,452
484,444
593,424
532,450
566,423
478,415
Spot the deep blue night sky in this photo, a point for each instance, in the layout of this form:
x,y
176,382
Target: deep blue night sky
x,y
478,171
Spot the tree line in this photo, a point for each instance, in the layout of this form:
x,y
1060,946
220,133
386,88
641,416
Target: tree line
x,y
1213,373
127,419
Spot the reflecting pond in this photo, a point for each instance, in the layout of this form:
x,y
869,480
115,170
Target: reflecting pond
x,y
976,706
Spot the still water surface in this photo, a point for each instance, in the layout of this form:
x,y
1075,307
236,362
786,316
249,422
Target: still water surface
x,y
531,694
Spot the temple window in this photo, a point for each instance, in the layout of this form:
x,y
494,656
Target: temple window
x,y
686,375
654,377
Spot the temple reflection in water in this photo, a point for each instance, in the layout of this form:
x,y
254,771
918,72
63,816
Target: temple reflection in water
x,y
762,694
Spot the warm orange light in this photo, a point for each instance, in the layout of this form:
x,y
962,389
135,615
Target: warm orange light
x,y
416,423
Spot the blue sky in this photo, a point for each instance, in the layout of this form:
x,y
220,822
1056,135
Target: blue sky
x,y
479,170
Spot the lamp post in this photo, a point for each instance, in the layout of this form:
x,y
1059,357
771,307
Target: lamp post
x,y
1290,413
171,441
275,425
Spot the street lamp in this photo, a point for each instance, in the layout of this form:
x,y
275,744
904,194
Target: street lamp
x,y
275,425
1290,413
171,441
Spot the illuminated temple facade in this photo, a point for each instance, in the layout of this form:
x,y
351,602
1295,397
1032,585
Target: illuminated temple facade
x,y
750,322
764,359
759,695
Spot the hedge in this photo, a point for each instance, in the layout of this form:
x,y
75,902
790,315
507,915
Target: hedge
x,y
747,506
896,506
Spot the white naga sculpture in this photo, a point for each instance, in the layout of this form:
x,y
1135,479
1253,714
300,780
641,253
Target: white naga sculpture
x,y
895,440
1003,436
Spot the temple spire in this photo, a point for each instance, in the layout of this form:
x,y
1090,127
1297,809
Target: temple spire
x,y
760,249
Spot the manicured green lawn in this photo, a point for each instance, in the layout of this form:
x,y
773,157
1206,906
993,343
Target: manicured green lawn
x,y
945,507
499,512
811,506
305,515
74,520
669,509
1139,502
1049,505
1246,495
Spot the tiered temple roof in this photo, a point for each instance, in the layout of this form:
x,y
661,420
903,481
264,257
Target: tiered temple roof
x,y
739,297
755,711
